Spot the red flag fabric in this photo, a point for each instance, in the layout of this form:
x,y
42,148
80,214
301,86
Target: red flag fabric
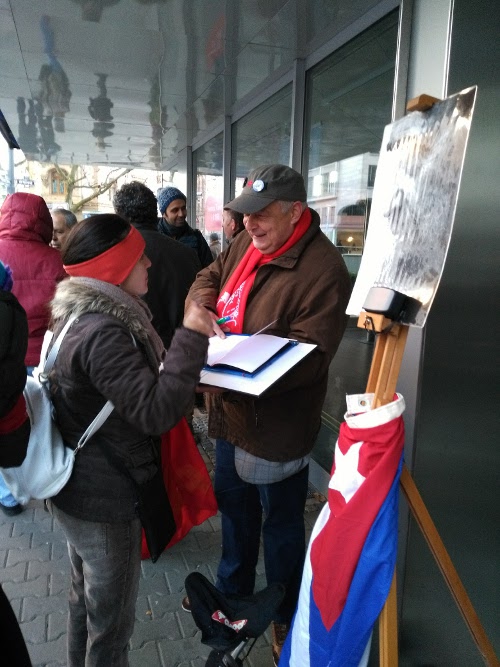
x,y
187,481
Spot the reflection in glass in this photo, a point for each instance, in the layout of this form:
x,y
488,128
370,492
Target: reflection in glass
x,y
158,119
268,29
54,91
263,136
349,103
322,15
207,169
100,110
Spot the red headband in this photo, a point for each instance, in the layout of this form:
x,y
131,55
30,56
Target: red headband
x,y
115,264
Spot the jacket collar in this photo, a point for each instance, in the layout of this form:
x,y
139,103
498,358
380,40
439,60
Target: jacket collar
x,y
72,298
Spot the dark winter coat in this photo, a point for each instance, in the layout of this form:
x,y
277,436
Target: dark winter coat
x,y
307,289
172,272
97,362
25,234
191,238
13,344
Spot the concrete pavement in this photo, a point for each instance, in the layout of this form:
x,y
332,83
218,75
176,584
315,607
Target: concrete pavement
x,y
34,572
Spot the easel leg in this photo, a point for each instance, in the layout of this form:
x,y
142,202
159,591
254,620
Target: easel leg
x,y
382,381
389,350
447,568
388,629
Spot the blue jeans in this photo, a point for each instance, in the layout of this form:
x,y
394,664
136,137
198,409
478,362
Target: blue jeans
x,y
242,506
6,497
105,563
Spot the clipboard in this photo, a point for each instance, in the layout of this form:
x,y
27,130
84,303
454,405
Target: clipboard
x,y
224,368
257,385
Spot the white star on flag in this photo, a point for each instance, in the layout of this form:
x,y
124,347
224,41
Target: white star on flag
x,y
346,479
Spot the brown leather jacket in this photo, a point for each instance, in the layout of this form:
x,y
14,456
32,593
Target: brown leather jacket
x,y
307,289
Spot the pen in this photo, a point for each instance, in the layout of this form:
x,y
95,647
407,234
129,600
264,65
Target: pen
x,y
223,320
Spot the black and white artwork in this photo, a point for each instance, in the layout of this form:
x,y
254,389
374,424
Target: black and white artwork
x,y
414,202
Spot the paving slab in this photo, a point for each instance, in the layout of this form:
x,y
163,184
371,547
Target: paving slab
x,y
34,572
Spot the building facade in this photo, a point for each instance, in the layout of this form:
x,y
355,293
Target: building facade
x,y
217,87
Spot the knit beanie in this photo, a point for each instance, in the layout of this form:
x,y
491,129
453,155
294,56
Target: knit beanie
x,y
166,196
5,277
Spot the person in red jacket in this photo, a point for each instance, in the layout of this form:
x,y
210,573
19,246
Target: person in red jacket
x,y
25,235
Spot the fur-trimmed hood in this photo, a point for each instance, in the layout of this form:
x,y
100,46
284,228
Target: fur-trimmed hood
x,y
73,298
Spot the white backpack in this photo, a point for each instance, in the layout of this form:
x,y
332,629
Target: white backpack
x,y
49,462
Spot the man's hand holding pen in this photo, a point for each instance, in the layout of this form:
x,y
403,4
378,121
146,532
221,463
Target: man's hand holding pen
x,y
218,323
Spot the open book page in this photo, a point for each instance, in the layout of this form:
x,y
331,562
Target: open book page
x,y
257,384
247,353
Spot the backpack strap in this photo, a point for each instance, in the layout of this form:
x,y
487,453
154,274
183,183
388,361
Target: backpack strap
x,y
51,358
105,411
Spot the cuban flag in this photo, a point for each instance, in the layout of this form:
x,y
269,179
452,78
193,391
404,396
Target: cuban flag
x,y
352,552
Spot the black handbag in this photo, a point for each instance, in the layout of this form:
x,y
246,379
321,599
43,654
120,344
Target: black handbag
x,y
153,505
155,513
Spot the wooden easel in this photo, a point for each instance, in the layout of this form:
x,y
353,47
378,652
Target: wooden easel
x,y
384,372
382,380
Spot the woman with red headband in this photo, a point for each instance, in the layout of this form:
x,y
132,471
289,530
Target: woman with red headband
x,y
111,352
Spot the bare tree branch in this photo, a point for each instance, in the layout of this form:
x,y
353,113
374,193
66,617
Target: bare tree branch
x,y
99,190
78,177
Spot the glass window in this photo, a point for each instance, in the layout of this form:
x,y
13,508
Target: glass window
x,y
263,136
57,184
349,102
207,169
267,33
325,15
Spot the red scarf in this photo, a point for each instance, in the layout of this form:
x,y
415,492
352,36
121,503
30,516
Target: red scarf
x,y
233,299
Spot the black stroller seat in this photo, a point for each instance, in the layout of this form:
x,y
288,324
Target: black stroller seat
x,y
229,622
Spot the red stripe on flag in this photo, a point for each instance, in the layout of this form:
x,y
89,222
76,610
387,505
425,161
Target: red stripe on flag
x,y
336,549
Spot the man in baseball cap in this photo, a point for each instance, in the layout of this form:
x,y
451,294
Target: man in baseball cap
x,y
286,272
267,184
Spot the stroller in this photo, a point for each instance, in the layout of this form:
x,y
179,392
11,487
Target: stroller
x,y
230,624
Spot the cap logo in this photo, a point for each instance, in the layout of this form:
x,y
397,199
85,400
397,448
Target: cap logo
x,y
258,185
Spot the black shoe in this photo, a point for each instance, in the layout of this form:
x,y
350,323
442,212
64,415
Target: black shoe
x,y
11,511
186,604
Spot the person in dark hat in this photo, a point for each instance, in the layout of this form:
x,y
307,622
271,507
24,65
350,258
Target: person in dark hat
x,y
214,245
286,272
173,223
